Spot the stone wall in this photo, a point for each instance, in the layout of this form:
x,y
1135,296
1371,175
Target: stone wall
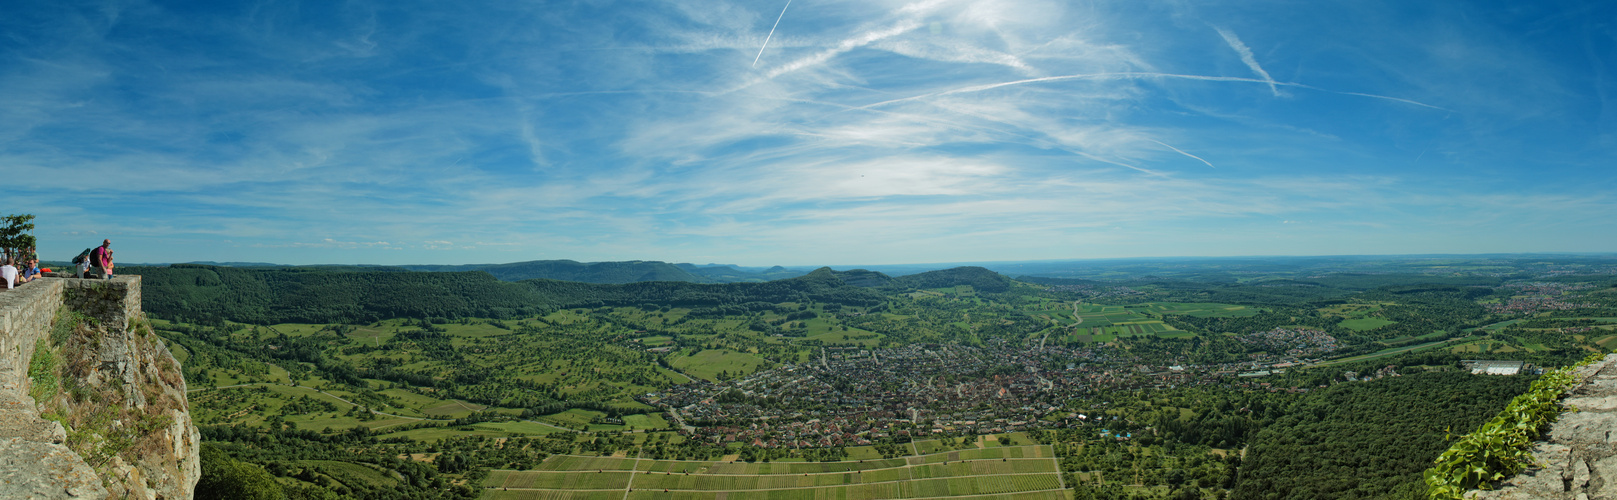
x,y
25,314
1577,458
122,366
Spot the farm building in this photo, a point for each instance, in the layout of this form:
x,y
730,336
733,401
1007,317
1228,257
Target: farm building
x,y
1492,367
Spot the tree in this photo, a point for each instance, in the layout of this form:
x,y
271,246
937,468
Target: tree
x,y
227,478
14,238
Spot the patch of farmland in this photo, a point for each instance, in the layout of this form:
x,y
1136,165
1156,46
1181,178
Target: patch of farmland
x,y
1018,472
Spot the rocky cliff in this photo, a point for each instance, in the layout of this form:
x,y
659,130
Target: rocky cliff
x,y
92,404
1577,458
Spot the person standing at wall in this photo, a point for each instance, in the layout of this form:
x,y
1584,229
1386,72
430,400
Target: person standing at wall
x,y
101,258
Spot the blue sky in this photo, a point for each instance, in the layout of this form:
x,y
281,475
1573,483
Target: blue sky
x,y
862,132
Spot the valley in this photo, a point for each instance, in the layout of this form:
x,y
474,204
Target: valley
x,y
1169,388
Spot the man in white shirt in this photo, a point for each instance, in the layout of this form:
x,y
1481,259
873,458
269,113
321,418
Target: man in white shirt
x,y
8,274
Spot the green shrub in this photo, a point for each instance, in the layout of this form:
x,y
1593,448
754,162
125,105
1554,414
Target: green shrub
x,y
43,371
227,478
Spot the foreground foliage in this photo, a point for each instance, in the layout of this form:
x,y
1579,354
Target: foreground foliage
x,y
1500,448
1365,439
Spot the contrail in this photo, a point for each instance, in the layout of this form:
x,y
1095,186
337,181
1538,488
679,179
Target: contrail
x,y
1180,151
771,33
1118,163
1248,58
1139,75
1406,101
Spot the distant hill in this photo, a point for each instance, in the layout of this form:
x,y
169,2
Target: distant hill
x,y
735,274
860,277
634,271
979,278
982,280
568,270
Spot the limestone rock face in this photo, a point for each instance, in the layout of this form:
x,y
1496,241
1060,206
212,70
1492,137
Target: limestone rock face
x,y
1578,458
129,369
32,469
77,352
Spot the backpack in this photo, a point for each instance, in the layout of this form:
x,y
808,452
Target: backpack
x,y
83,256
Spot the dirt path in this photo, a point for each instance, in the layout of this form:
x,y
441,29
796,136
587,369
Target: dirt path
x,y
629,487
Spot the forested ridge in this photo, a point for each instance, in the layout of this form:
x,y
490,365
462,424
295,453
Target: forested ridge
x,y
280,295
268,296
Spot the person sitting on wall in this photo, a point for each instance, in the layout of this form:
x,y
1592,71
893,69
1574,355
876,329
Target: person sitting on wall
x,y
101,258
8,273
30,272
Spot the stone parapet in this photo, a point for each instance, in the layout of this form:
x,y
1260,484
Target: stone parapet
x,y
25,315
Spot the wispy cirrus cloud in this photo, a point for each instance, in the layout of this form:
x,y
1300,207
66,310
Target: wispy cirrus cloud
x,y
888,131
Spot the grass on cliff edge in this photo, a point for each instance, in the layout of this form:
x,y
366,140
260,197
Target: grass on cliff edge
x,y
101,420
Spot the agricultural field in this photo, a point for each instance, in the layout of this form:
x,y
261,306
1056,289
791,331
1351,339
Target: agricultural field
x,y
982,470
1197,309
1088,323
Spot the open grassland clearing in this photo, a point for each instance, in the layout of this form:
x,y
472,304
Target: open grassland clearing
x,y
350,473
453,409
1415,339
1387,352
708,364
1197,309
1486,346
1364,324
1106,323
573,418
489,430
1358,316
1501,325
645,421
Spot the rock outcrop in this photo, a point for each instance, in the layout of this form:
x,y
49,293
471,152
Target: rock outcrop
x,y
78,352
1577,459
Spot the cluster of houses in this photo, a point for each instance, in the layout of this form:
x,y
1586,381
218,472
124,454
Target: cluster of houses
x,y
1533,305
1538,296
1384,372
1292,341
857,396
